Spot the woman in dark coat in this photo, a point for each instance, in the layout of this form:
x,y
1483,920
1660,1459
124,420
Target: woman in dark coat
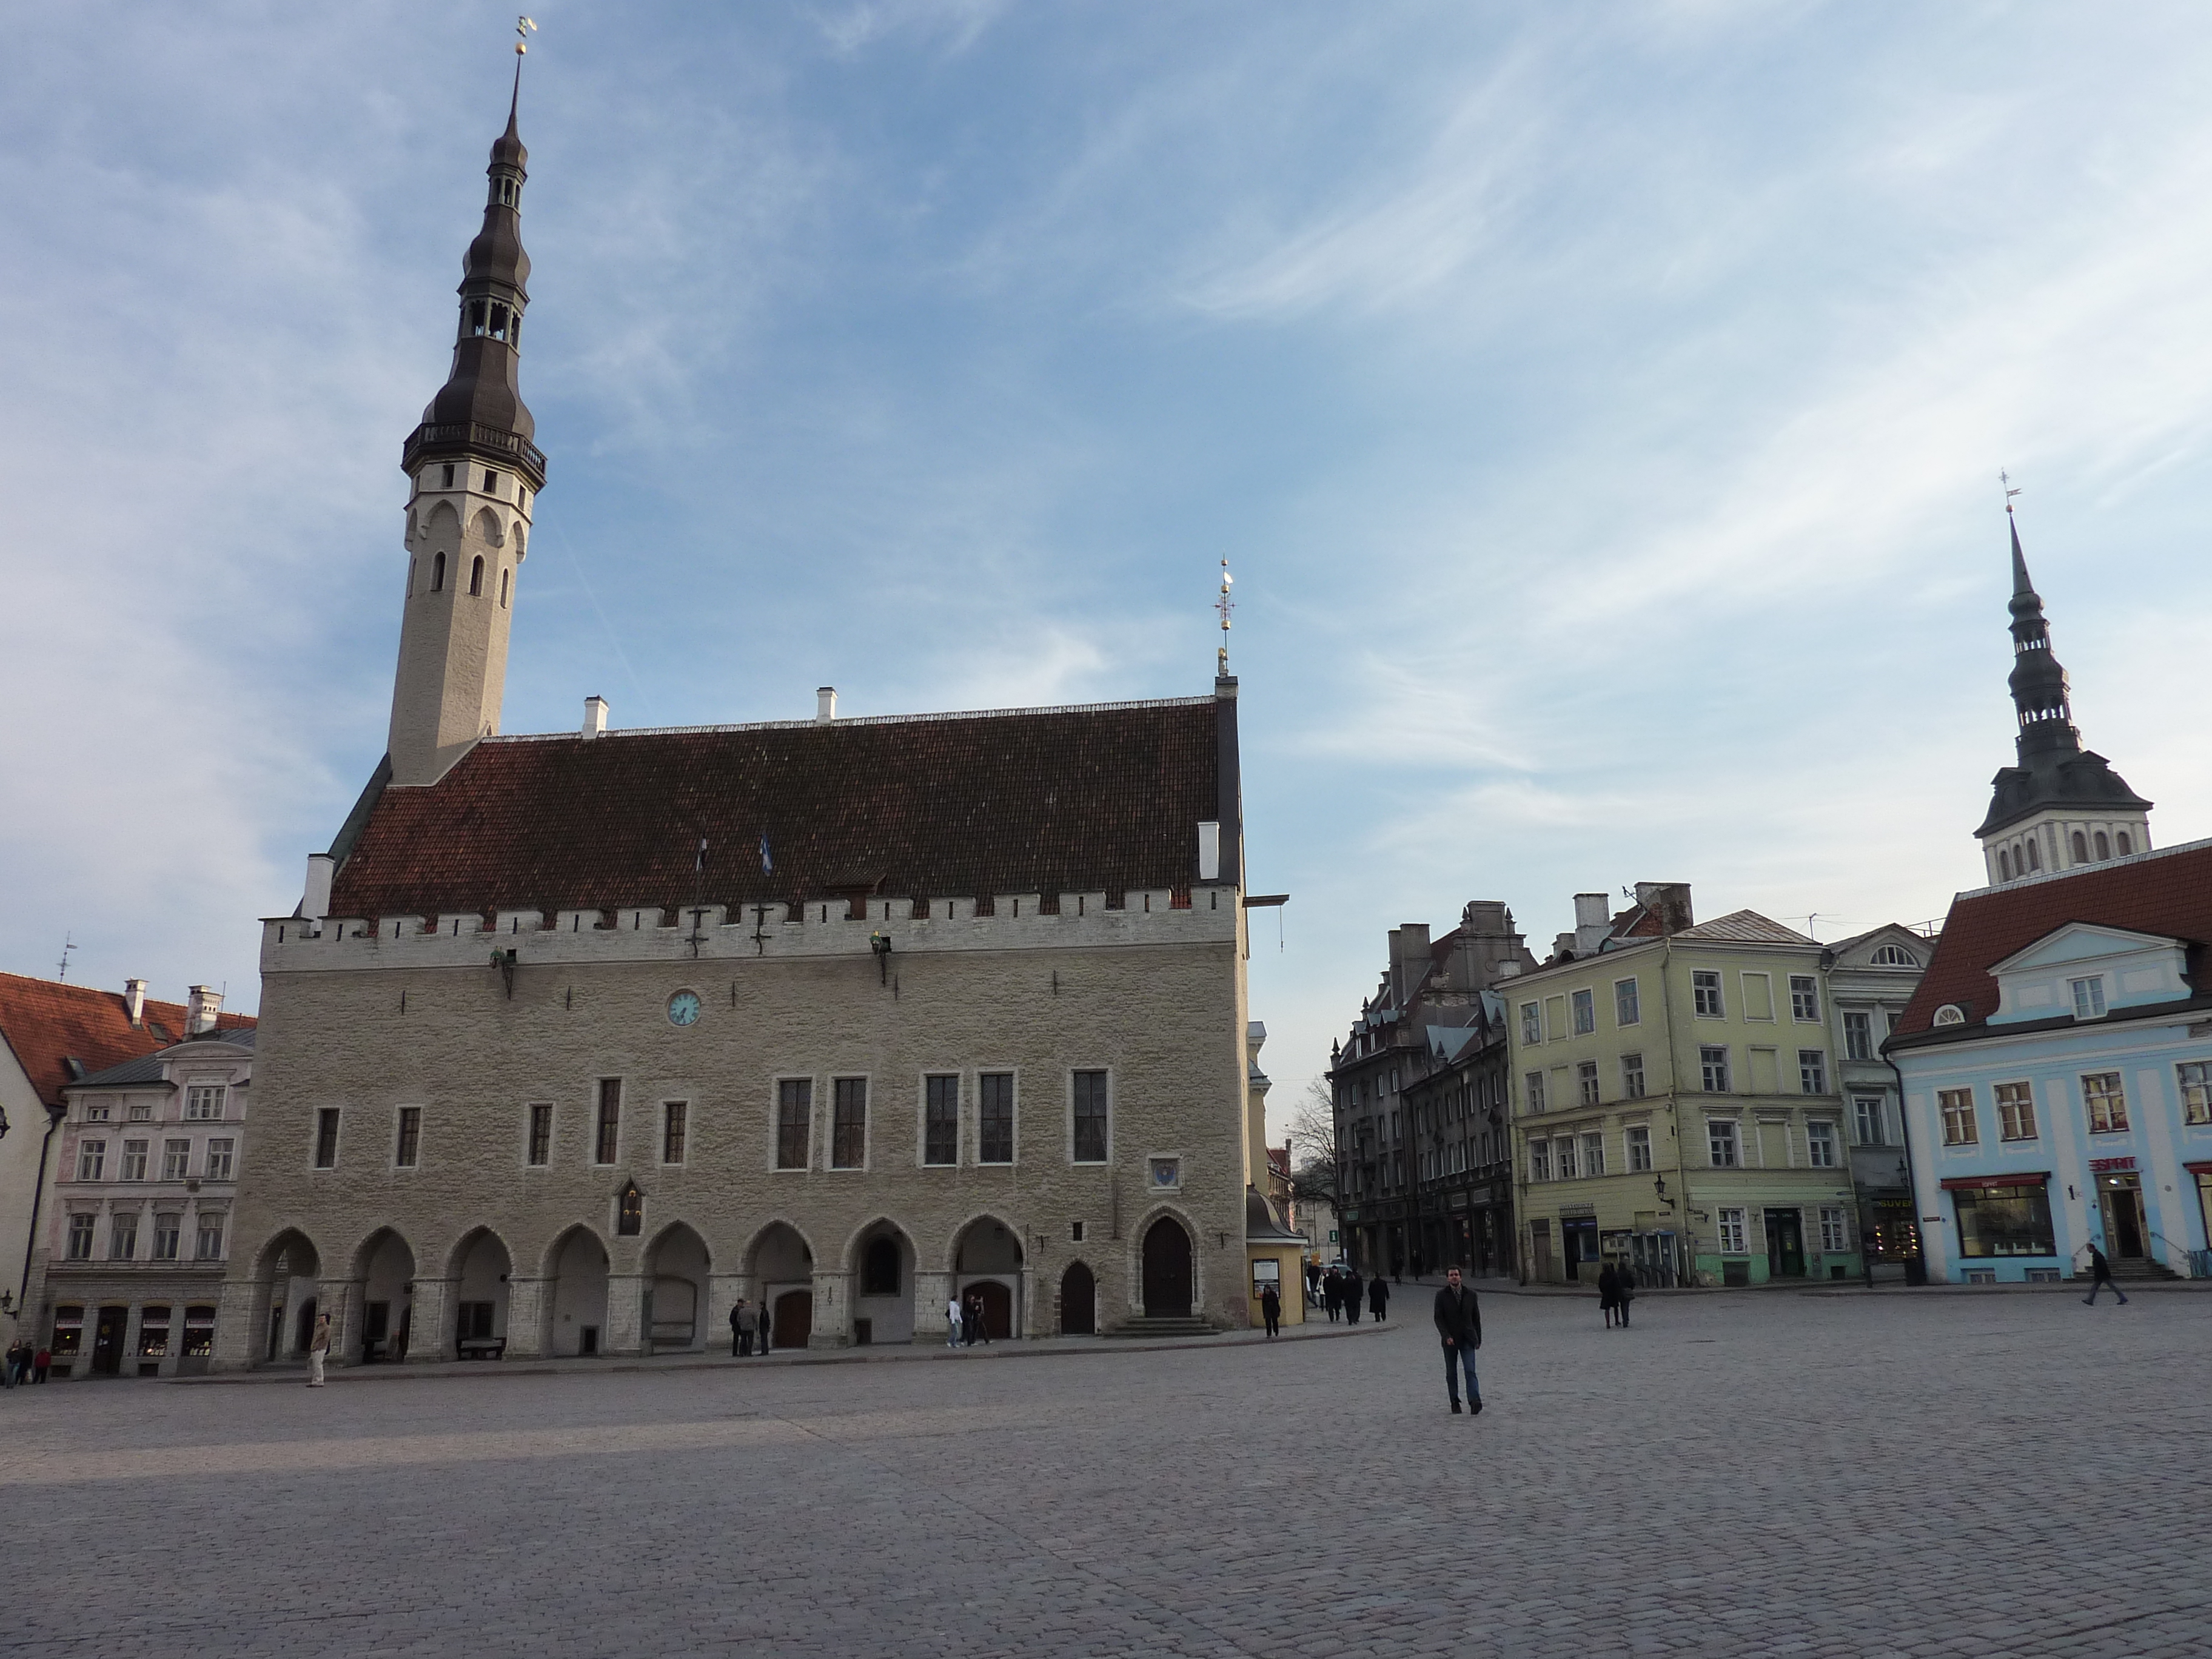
x,y
1608,1291
1378,1297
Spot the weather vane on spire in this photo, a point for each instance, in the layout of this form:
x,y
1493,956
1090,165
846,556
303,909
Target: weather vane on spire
x,y
1223,606
2005,479
524,28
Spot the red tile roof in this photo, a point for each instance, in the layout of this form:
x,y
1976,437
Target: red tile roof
x,y
46,1023
1104,797
2167,893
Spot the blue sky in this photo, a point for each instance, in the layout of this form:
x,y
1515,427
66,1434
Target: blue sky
x,y
1600,407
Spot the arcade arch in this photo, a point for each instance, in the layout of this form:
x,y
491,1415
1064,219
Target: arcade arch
x,y
882,1265
987,1264
782,1265
288,1278
481,1269
577,1264
384,1266
676,1270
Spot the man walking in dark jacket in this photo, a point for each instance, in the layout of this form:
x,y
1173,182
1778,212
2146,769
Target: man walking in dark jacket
x,y
2100,1274
1378,1298
1459,1322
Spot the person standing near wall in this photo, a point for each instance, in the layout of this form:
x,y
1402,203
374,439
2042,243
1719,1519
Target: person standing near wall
x,y
1271,1307
952,1322
319,1348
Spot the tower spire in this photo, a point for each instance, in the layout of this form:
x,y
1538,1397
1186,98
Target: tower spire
x,y
2060,805
476,473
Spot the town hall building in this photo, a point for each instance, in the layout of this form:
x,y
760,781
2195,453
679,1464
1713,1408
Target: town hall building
x,y
578,1041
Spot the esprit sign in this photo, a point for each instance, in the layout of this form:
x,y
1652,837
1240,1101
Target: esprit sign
x,y
2106,1165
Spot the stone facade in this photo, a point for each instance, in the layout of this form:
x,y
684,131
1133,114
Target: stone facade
x,y
368,1023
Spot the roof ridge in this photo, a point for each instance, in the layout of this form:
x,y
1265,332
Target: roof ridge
x,y
857,719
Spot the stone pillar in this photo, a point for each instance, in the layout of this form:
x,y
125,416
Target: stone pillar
x,y
930,1292
625,1333
723,1291
833,1311
341,1298
241,1326
431,1321
529,1317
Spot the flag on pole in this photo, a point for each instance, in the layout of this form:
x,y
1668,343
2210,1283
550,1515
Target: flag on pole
x,y
768,864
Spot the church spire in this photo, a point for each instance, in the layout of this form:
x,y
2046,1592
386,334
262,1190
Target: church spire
x,y
475,475
2061,806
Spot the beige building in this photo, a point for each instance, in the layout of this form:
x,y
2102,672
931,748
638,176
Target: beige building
x,y
135,1240
578,1042
1677,1102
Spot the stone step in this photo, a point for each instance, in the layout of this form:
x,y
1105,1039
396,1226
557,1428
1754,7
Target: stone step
x,y
1191,1327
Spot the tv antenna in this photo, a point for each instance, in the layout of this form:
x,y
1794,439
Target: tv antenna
x,y
68,943
1222,607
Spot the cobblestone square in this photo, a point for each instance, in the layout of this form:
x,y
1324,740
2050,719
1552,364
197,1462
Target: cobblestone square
x,y
1756,1473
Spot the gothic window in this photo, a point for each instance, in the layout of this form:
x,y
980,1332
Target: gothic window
x,y
849,1123
2034,855
793,1112
2104,846
438,574
476,578
629,1216
2122,844
995,1118
1091,1117
2004,865
609,1136
879,1268
941,1123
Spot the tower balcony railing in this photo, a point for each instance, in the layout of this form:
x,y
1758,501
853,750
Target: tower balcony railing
x,y
447,437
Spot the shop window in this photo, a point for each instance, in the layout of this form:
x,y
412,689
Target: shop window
x,y
1994,1221
154,1333
199,1331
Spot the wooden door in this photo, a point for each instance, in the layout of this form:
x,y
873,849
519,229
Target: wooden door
x,y
108,1341
1167,1270
1079,1302
997,1308
794,1319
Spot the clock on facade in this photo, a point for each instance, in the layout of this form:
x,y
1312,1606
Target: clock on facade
x,y
683,1008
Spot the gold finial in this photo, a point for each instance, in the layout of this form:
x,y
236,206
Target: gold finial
x,y
523,27
1224,605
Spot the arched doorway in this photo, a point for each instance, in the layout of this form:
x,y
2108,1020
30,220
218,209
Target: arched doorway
x,y
782,1265
794,1319
987,1261
288,1271
1079,1302
578,1268
882,1278
676,1274
1167,1270
385,1267
481,1267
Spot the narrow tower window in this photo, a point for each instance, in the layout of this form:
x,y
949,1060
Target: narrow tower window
x,y
2124,845
504,576
2081,847
476,316
476,578
2104,847
448,470
438,574
491,481
2004,865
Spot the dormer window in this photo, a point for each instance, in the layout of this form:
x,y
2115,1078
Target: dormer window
x,y
2089,997
1895,956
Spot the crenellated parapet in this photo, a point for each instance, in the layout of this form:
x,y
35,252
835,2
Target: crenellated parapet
x,y
834,926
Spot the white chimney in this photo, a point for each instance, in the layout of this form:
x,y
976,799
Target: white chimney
x,y
202,1004
134,1001
1209,850
825,704
1592,922
315,903
595,717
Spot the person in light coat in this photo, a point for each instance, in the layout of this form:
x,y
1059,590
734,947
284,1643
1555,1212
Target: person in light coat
x,y
319,1348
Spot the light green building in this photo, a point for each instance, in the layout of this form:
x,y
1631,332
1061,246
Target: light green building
x,y
1676,1102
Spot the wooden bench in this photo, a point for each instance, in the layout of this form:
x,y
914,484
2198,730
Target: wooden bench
x,y
482,1347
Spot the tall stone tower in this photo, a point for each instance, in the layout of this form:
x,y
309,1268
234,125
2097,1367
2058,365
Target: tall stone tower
x,y
474,474
2063,806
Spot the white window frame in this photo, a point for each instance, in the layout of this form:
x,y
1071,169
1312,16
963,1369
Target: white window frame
x,y
1879,1115
1581,1011
1817,1143
1835,1230
2088,997
1807,986
1631,1076
1699,988
1532,1093
2010,1112
2114,1101
1734,1230
1815,1071
1858,1034
1594,1154
1532,1024
200,1097
1636,1140
1706,1064
1014,1123
1723,1134
229,1143
1628,1010
1956,1111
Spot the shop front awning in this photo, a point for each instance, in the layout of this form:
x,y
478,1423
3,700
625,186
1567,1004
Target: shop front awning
x,y
1970,1183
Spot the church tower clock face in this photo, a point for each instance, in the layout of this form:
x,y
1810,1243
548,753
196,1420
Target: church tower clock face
x,y
683,1008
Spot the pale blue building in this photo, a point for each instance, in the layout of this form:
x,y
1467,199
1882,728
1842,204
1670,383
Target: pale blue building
x,y
2055,1061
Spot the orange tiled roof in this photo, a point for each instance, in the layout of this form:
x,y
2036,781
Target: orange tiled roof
x,y
48,1023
